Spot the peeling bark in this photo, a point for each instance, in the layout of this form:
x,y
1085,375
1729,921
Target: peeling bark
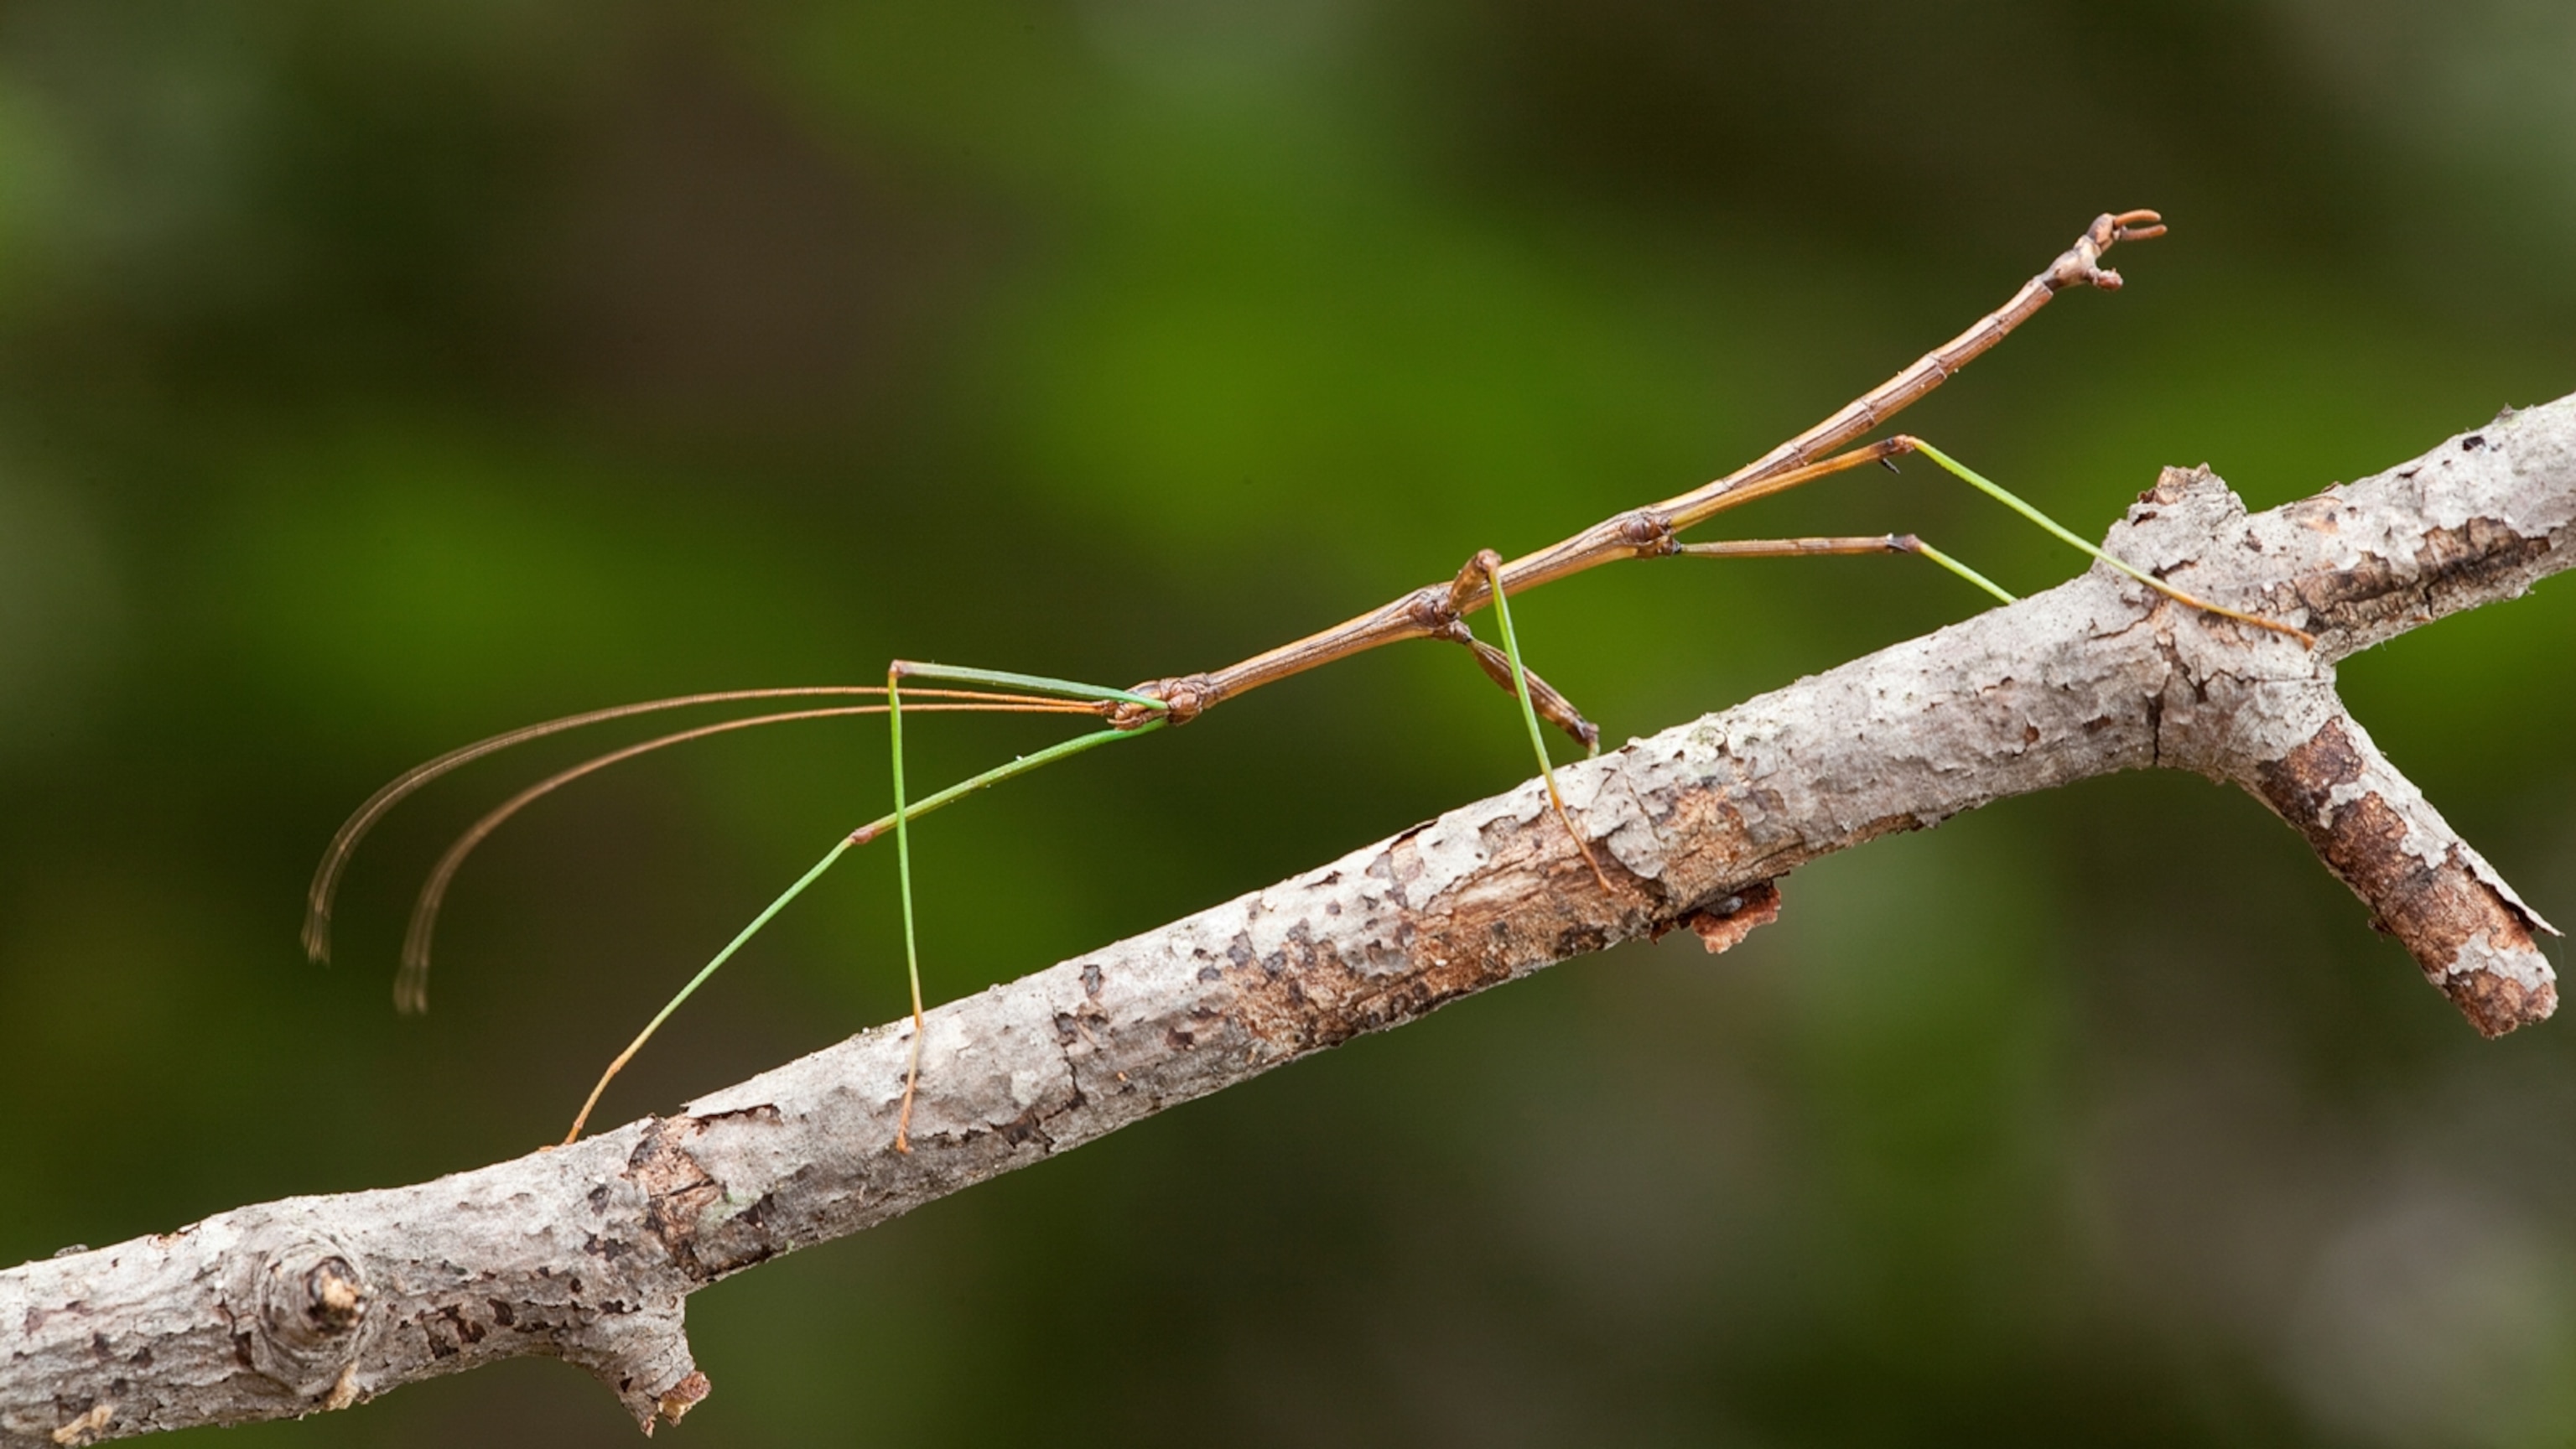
x,y
2464,925
588,1253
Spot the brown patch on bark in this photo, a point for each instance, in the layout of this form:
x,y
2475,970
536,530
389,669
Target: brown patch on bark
x,y
1723,926
86,1428
2452,568
1534,903
2449,919
676,1189
337,1299
1719,853
677,1400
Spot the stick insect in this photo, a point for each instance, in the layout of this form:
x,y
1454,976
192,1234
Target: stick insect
x,y
1437,611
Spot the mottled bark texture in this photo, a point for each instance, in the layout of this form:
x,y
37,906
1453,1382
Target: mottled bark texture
x,y
589,1252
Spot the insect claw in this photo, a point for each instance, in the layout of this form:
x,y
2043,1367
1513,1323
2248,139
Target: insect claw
x,y
2137,226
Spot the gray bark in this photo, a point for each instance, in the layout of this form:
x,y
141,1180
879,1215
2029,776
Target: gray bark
x,y
589,1252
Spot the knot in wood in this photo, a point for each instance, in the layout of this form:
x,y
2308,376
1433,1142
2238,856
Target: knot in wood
x,y
309,1302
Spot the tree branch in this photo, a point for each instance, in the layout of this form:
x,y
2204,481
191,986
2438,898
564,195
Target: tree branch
x,y
589,1252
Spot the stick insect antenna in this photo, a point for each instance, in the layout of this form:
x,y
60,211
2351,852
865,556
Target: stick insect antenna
x,y
411,983
335,858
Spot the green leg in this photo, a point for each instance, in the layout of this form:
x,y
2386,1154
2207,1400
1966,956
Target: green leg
x,y
742,937
1993,490
903,873
1036,683
1529,713
1963,571
904,812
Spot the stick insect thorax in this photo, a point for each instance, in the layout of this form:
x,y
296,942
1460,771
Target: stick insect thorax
x,y
1436,611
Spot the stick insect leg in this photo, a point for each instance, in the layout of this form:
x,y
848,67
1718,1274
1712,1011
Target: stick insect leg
x,y
904,812
895,673
1490,564
1700,510
812,874
903,873
1827,547
1551,704
1996,491
1469,588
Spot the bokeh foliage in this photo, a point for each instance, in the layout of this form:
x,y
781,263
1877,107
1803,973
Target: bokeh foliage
x,y
378,376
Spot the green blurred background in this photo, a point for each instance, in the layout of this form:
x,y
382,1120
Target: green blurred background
x,y
379,376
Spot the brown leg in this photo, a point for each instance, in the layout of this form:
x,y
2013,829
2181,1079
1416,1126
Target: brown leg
x,y
1803,547
1825,547
1552,706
